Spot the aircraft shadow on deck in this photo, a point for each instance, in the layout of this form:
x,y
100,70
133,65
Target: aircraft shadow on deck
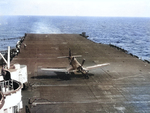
x,y
59,75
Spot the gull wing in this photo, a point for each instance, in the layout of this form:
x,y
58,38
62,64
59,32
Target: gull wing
x,y
96,66
54,69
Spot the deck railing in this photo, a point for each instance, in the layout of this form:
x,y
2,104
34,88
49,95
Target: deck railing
x,y
6,85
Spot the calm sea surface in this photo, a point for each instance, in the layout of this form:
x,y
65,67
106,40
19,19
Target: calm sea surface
x,y
131,34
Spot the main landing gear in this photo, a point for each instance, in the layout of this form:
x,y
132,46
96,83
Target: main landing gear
x,y
85,74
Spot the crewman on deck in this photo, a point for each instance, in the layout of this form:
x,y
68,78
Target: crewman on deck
x,y
6,74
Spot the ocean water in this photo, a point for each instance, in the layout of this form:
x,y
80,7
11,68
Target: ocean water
x,y
131,34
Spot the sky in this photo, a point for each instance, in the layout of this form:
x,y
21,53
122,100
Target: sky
x,y
104,8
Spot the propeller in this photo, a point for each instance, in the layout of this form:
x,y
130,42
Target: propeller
x,y
83,62
83,71
80,68
70,52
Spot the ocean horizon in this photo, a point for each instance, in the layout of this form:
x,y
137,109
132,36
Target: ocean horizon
x,y
129,33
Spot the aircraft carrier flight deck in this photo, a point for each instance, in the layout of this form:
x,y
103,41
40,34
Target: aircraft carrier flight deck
x,y
122,86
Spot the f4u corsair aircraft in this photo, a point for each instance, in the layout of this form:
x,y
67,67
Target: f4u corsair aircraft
x,y
76,67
